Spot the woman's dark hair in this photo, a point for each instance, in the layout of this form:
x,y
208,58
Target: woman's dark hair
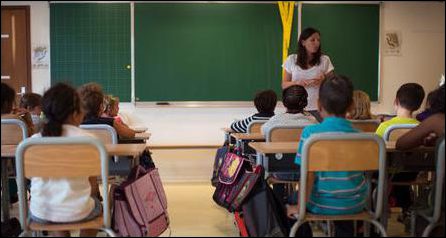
x,y
30,100
8,97
336,94
58,103
294,98
265,101
92,100
437,102
302,52
410,96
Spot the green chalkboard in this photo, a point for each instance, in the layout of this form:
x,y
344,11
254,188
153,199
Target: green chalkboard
x,y
207,51
90,42
350,36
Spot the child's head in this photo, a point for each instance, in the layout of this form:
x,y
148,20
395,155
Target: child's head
x,y
410,96
336,95
294,98
361,106
92,99
437,102
111,105
60,105
8,98
265,101
309,43
31,102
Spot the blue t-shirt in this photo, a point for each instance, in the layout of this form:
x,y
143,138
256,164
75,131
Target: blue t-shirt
x,y
334,193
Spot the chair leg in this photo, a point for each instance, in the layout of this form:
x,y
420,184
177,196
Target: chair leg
x,y
294,228
109,232
413,223
380,227
429,229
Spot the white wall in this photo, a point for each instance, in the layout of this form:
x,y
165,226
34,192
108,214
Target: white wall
x,y
422,61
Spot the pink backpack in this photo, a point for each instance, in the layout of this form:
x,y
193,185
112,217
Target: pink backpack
x,y
140,205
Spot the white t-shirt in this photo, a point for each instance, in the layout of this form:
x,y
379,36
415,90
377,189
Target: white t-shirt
x,y
297,73
62,199
288,119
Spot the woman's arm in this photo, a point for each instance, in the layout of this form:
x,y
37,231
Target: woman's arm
x,y
416,136
286,81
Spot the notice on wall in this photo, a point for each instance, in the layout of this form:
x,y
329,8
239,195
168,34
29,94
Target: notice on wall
x,y
40,57
392,43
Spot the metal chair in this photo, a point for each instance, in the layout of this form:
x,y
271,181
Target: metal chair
x,y
433,217
394,132
342,152
13,132
62,157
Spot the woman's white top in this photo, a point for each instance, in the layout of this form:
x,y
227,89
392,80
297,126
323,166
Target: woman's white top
x,y
297,73
62,199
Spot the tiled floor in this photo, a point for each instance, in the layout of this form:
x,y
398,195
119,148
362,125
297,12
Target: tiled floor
x,y
192,212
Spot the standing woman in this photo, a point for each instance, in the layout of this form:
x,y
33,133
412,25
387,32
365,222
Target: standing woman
x,y
308,68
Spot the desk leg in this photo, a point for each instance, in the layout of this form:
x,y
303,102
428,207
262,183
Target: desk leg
x,y
5,190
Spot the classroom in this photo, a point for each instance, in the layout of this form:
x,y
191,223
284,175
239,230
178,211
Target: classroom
x,y
182,74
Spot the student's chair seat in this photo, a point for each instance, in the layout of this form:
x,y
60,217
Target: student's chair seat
x,y
433,217
62,157
366,125
342,152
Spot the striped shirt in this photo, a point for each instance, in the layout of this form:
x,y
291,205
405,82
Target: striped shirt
x,y
241,126
334,193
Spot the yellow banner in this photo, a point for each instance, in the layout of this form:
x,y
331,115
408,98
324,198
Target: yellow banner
x,y
286,14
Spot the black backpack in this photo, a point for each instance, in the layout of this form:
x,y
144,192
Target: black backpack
x,y
11,228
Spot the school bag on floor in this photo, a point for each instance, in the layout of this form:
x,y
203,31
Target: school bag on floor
x,y
140,204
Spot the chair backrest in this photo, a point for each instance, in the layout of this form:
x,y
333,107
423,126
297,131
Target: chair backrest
x,y
60,157
284,133
439,181
366,125
394,132
255,126
105,133
13,131
343,152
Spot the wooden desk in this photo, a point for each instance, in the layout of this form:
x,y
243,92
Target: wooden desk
x,y
243,138
112,149
227,132
275,147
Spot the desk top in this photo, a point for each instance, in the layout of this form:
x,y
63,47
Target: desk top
x,y
246,136
291,147
116,149
143,135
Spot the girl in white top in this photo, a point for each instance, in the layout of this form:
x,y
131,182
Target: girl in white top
x,y
62,200
308,68
294,98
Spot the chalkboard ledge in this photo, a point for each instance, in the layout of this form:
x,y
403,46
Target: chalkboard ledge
x,y
195,104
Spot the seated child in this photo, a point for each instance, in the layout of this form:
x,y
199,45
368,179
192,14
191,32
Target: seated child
x,y
429,129
63,200
408,99
9,112
333,193
265,103
111,108
361,107
32,102
92,99
295,100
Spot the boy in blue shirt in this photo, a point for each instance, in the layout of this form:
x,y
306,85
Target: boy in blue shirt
x,y
333,193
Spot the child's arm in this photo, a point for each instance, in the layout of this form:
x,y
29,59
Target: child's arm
x,y
123,130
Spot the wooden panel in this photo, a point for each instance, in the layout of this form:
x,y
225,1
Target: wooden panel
x,y
256,127
93,224
366,126
103,135
11,134
395,134
343,155
62,161
286,134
